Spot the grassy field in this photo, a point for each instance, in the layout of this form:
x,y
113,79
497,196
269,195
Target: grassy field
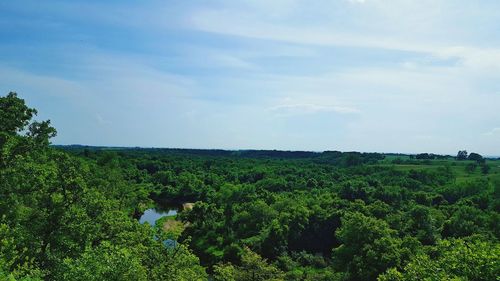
x,y
172,227
458,167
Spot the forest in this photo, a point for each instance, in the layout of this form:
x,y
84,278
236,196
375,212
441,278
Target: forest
x,y
73,212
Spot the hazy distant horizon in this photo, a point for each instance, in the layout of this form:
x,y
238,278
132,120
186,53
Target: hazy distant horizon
x,y
347,75
268,149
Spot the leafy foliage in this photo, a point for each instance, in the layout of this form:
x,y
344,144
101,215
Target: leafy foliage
x,y
68,218
70,213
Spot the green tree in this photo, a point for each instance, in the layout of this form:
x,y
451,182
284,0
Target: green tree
x,y
14,114
68,218
421,224
368,247
454,259
252,268
475,157
462,155
106,262
14,264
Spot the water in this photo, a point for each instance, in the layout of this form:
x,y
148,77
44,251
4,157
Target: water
x,y
152,215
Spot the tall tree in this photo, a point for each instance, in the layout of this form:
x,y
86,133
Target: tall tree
x,y
462,155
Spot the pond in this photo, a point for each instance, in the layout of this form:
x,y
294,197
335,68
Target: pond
x,y
152,215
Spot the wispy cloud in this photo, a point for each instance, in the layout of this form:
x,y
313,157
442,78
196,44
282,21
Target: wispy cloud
x,y
357,1
50,86
307,108
493,132
228,61
253,24
101,120
183,73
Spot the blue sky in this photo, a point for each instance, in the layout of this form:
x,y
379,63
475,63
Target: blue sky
x,y
364,75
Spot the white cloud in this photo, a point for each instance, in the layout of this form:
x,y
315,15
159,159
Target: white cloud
x,y
19,81
245,24
366,75
135,96
401,36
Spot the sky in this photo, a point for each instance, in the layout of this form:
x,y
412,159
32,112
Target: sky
x,y
351,75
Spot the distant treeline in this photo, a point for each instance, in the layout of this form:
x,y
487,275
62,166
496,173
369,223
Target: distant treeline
x,y
339,158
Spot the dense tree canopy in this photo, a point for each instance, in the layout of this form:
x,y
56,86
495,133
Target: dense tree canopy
x,y
70,213
68,218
